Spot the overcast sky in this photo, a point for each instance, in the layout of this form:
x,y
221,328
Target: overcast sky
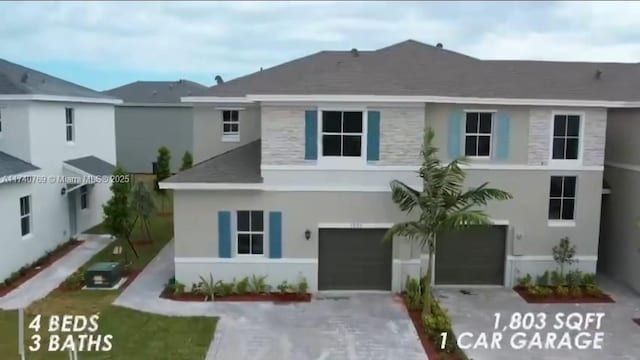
x,y
104,45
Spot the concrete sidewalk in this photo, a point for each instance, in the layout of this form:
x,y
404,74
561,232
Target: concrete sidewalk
x,y
50,278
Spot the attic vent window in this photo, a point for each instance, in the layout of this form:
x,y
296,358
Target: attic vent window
x,y
355,52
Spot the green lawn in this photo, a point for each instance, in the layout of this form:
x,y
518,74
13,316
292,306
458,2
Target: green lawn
x,y
136,335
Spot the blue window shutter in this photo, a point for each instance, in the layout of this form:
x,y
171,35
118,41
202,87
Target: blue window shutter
x,y
275,234
502,152
224,234
455,134
311,135
373,135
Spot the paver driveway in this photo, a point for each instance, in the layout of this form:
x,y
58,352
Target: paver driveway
x,y
475,313
355,327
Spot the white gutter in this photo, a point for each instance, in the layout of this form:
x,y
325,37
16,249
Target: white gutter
x,y
57,98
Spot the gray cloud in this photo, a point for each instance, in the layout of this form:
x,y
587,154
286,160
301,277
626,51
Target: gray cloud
x,y
233,38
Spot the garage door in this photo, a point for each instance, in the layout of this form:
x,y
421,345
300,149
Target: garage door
x,y
354,260
474,256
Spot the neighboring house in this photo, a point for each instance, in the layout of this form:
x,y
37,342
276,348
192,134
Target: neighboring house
x,y
56,140
152,116
311,198
620,231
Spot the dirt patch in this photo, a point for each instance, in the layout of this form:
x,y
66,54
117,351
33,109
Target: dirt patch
x,y
556,299
36,269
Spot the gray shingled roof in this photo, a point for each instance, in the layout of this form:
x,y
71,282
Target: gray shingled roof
x,y
92,165
156,91
414,68
240,165
19,80
10,165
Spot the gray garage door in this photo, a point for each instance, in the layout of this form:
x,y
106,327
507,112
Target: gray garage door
x,y
474,256
354,260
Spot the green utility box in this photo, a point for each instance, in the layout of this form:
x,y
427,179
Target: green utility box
x,y
103,275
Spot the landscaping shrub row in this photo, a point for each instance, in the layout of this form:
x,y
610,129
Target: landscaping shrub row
x,y
554,286
252,288
28,271
431,326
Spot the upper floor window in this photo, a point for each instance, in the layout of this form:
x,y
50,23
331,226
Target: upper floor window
x,y
230,125
562,198
477,137
342,133
250,232
70,124
84,197
566,137
25,215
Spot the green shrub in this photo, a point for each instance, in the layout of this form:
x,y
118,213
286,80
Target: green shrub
x,y
574,278
414,293
179,288
543,280
258,284
436,323
540,291
242,286
207,287
588,279
556,278
575,291
593,290
170,286
303,287
525,281
562,291
75,280
283,287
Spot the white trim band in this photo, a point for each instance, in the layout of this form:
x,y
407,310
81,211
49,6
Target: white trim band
x,y
72,99
336,225
472,166
263,187
243,260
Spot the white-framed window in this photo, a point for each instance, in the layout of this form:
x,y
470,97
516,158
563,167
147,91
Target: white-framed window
x,y
565,140
250,232
477,135
25,215
70,124
231,125
562,198
342,134
84,197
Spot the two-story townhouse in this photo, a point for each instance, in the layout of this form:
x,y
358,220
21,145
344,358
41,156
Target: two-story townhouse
x,y
311,198
620,230
57,140
152,116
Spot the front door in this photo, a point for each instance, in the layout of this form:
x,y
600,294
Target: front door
x,y
71,198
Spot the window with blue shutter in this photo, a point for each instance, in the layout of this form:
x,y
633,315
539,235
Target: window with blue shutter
x,y
275,234
373,135
224,234
311,135
503,125
455,134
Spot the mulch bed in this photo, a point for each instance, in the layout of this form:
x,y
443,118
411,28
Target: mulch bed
x,y
555,299
55,256
270,297
130,277
429,347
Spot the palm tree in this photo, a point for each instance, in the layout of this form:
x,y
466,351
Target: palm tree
x,y
442,205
